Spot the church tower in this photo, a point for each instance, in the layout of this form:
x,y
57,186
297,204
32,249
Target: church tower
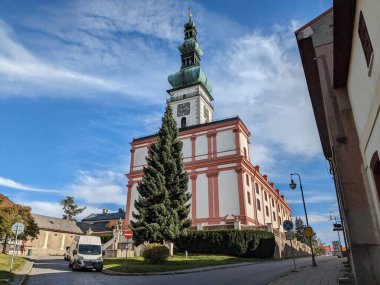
x,y
190,96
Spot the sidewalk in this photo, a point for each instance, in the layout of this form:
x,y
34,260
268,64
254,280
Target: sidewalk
x,y
326,273
21,274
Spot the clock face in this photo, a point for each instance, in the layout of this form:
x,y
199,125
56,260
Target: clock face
x,y
206,114
183,109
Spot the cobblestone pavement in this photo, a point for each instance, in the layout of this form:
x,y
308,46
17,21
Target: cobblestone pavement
x,y
56,271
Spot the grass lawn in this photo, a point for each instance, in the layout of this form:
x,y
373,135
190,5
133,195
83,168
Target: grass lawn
x,y
177,262
5,264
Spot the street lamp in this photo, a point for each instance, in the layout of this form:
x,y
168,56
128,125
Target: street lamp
x,y
293,185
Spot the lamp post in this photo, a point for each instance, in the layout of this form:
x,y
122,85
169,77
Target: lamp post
x,y
293,185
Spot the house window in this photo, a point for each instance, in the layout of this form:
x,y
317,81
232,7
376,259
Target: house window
x,y
375,167
272,202
279,219
265,195
245,152
267,211
183,122
364,39
274,216
278,207
258,205
247,179
257,188
249,197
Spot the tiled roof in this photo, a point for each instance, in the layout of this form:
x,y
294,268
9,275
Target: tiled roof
x,y
97,227
56,224
105,217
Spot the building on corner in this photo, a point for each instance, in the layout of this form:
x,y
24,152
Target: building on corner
x,y
340,52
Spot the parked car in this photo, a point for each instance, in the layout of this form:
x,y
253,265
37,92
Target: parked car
x,y
86,253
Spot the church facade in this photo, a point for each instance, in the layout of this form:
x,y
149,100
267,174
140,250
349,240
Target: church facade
x,y
224,184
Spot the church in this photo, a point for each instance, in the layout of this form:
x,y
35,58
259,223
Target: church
x,y
224,184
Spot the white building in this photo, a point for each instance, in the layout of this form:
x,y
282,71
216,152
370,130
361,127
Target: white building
x,y
224,184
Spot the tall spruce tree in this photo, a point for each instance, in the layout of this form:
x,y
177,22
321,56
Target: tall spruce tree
x,y
162,208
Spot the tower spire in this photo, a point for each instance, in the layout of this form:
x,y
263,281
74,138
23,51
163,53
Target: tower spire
x,y
190,15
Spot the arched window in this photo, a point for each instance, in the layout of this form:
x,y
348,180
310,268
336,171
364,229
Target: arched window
x,y
267,211
247,179
258,205
191,34
183,122
245,152
279,219
375,167
249,197
265,196
257,188
274,216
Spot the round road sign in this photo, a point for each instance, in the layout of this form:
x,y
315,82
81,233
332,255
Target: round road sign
x,y
308,232
287,225
18,228
128,234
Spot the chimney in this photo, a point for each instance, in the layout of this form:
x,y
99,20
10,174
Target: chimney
x,y
265,177
271,184
283,197
278,192
257,168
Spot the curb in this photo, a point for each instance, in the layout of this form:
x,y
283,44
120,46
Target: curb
x,y
182,271
22,277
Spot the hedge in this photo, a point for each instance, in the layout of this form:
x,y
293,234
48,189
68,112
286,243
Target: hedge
x,y
257,244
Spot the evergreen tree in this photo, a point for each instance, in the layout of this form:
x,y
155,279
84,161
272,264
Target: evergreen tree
x,y
300,230
162,209
70,208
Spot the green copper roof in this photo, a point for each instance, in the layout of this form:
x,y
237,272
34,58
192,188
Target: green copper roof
x,y
188,76
190,72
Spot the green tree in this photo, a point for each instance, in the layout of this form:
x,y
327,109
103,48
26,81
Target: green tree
x,y
300,230
161,209
70,209
13,213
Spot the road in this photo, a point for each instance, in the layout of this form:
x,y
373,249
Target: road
x,y
55,271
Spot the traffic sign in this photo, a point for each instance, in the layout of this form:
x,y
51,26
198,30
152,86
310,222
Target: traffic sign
x,y
128,234
18,228
289,235
287,225
308,232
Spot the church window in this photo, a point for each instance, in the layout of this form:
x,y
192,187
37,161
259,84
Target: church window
x,y
375,167
183,122
266,196
267,211
258,205
247,179
274,216
249,197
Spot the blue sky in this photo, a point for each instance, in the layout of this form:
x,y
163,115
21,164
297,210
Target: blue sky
x,y
80,79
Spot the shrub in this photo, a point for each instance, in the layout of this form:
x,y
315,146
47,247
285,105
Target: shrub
x,y
156,253
230,242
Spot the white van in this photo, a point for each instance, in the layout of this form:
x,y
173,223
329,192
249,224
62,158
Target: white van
x,y
86,253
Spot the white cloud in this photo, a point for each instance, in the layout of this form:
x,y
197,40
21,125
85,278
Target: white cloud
x,y
99,187
315,218
259,76
90,189
9,183
55,209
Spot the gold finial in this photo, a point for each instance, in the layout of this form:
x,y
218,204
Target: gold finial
x,y
190,14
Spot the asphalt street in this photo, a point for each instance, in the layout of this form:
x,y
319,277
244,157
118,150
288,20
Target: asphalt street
x,y
55,271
